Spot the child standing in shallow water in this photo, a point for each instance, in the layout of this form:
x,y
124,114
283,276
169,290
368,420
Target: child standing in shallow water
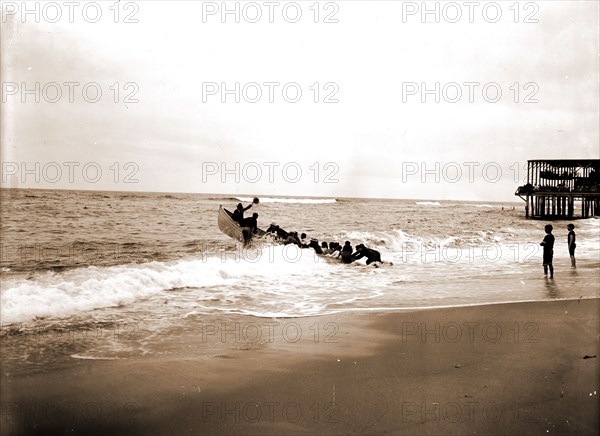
x,y
548,244
571,243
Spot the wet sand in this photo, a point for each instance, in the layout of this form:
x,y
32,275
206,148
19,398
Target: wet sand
x,y
522,368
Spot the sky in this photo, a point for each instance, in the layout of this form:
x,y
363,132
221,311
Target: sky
x,y
384,99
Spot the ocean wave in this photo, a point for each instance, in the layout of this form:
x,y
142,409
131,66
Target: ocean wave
x,y
289,200
390,241
397,242
81,290
428,203
223,199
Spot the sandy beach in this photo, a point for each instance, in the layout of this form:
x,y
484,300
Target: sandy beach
x,y
522,368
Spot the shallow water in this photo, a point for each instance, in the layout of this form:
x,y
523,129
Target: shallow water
x,y
79,258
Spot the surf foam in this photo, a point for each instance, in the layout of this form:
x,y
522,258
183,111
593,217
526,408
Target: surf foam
x,y
289,200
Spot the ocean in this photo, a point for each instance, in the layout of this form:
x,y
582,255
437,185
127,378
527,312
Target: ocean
x,y
156,261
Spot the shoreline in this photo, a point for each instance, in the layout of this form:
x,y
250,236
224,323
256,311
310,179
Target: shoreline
x,y
465,291
492,369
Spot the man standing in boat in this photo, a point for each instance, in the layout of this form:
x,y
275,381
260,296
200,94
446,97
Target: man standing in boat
x,y
238,213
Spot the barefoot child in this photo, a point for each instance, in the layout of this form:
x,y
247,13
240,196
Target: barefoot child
x,y
571,243
548,244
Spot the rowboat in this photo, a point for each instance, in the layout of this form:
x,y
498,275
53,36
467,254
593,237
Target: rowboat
x,y
231,228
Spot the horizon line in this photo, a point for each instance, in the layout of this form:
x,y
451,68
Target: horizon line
x,y
255,195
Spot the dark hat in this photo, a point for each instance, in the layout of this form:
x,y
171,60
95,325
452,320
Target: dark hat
x,y
570,226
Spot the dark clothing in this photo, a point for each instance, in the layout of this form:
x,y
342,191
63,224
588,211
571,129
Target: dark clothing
x,y
346,254
571,242
247,234
347,257
316,247
238,215
547,257
548,244
278,231
291,239
370,254
252,223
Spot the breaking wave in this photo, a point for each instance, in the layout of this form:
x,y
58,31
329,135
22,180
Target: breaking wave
x,y
289,200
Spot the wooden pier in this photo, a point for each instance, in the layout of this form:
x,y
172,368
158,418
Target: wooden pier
x,y
561,189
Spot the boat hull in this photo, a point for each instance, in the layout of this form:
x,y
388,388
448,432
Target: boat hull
x,y
231,228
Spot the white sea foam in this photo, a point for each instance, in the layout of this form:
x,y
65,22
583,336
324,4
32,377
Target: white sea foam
x,y
397,241
391,241
289,200
84,289
270,275
428,203
267,281
272,281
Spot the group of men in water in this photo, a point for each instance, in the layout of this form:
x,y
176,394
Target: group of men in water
x,y
345,253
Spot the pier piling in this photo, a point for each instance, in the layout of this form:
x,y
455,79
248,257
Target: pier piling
x,y
561,189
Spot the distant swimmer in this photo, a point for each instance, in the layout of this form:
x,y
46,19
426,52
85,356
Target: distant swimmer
x,y
548,244
571,244
369,253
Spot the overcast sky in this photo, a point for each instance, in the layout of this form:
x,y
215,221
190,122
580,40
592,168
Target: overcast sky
x,y
164,126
